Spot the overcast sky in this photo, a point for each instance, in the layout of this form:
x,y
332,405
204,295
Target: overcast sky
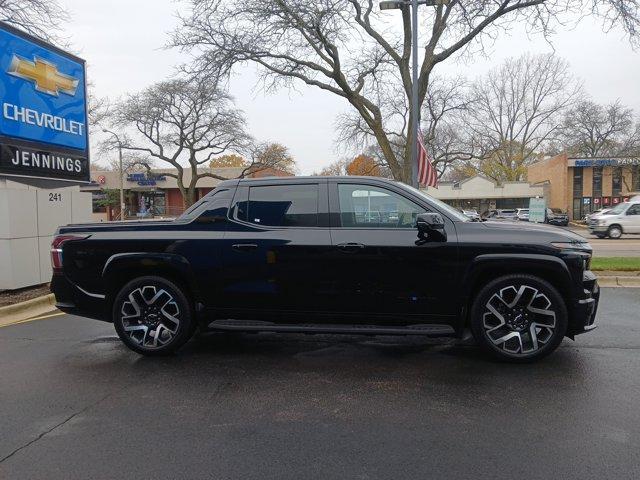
x,y
122,41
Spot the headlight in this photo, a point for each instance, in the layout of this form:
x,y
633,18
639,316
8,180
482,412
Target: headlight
x,y
578,246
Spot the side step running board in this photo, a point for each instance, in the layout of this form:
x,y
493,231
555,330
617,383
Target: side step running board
x,y
254,326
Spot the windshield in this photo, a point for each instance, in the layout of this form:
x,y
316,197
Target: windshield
x,y
618,209
448,209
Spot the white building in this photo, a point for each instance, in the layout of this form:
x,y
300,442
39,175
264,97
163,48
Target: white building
x,y
482,194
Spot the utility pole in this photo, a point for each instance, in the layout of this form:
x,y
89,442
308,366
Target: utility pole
x,y
415,103
120,170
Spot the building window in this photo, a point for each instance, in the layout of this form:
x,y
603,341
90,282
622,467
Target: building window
x,y
616,186
597,182
635,178
577,182
577,208
98,202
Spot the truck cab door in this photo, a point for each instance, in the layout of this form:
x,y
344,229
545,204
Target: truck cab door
x,y
381,264
273,256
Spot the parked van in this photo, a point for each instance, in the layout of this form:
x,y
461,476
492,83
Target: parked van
x,y
621,219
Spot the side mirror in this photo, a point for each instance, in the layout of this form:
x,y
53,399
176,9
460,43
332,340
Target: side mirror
x,y
432,225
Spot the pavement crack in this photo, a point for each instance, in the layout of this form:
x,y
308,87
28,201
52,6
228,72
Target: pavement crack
x,y
56,426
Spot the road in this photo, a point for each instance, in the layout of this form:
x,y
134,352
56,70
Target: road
x,y
627,246
76,404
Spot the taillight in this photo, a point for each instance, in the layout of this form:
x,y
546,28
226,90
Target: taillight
x,y
56,249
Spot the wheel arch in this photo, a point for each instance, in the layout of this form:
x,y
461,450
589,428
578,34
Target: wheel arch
x,y
485,268
124,267
616,225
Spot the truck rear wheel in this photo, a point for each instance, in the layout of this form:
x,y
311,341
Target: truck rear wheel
x,y
519,318
153,316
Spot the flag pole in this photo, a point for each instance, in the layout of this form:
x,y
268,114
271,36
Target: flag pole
x,y
414,95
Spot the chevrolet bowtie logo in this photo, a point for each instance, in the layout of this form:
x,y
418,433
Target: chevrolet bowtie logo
x,y
44,75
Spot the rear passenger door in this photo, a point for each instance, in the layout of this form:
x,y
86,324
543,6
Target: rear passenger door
x,y
274,250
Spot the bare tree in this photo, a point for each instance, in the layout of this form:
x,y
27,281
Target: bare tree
x,y
41,18
182,123
445,115
593,130
336,168
348,48
518,109
97,108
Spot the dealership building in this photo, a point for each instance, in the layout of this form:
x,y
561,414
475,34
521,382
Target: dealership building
x,y
44,153
582,185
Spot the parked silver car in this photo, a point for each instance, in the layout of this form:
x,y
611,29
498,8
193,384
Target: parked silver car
x,y
522,214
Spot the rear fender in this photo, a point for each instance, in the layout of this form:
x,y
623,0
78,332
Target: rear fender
x,y
131,265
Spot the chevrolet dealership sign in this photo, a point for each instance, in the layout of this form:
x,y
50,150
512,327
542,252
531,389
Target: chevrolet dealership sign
x,y
43,111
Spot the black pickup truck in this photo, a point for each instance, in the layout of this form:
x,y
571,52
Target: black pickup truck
x,y
328,254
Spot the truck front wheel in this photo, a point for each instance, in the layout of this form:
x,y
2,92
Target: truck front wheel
x,y
519,318
153,316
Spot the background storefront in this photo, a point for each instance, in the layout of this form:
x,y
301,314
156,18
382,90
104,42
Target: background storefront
x,y
481,194
152,194
584,185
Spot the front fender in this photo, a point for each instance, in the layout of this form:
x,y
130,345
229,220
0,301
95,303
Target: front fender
x,y
547,266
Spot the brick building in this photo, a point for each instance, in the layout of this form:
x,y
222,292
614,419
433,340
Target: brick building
x,y
583,185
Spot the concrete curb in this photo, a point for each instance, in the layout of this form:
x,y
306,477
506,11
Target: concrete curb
x,y
612,278
627,282
29,309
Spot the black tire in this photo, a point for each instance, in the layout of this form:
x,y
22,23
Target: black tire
x,y
615,232
529,335
153,316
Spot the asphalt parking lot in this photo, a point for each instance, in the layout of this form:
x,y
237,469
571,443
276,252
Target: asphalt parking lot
x,y
76,404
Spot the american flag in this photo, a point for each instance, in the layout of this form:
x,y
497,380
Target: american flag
x,y
427,174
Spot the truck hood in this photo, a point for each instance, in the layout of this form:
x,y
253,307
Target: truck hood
x,y
563,235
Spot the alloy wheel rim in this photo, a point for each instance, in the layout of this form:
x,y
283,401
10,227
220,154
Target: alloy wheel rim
x,y
615,233
150,317
519,320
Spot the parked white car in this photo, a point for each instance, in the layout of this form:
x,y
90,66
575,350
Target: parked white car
x,y
622,219
472,214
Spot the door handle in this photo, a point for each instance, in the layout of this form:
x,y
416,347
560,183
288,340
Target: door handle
x,y
350,247
244,247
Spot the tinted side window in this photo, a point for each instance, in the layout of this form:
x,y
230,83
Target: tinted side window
x,y
283,205
373,207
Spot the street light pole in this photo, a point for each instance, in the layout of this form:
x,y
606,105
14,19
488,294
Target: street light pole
x,y
120,169
415,104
